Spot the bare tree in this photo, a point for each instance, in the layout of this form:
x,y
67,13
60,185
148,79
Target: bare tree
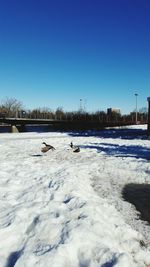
x,y
12,106
59,113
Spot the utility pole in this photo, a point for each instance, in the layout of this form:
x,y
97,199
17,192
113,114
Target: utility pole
x,y
148,99
136,95
81,108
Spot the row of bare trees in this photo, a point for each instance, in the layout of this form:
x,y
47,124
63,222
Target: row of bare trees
x,y
10,107
13,108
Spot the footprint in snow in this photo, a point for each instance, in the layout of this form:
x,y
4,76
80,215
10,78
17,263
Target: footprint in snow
x,y
6,217
41,249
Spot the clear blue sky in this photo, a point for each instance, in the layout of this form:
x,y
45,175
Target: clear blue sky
x,y
55,52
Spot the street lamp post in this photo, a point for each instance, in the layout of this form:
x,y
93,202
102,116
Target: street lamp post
x,y
136,95
81,109
148,99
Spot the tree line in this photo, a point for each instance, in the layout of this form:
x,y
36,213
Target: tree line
x,y
13,108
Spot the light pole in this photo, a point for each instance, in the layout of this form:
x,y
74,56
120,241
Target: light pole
x,y
136,95
148,99
81,109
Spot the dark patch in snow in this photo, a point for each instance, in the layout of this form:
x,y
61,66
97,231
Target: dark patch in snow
x,y
55,184
56,214
85,263
50,184
6,218
122,133
36,155
52,196
81,205
13,257
110,263
67,199
42,249
64,233
139,196
147,171
82,216
32,225
121,150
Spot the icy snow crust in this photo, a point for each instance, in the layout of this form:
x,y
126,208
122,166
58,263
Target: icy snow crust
x,y
65,209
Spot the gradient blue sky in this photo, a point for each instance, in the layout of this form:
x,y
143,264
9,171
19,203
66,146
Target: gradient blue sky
x,y
55,52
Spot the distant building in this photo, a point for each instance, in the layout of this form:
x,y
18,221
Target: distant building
x,y
111,111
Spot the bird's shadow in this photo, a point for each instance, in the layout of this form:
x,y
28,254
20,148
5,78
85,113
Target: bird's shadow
x,y
36,155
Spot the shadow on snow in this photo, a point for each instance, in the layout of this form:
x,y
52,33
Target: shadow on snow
x,y
115,133
139,196
120,150
13,258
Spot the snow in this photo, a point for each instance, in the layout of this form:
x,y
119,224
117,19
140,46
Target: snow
x,y
65,209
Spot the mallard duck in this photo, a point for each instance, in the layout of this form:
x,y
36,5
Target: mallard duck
x,y
71,145
77,149
46,148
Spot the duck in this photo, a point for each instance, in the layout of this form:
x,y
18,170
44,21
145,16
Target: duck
x,y
77,149
46,148
71,145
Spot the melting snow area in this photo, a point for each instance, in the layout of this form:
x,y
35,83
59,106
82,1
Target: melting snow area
x,y
65,209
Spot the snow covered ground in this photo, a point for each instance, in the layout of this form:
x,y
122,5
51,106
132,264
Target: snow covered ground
x,y
65,209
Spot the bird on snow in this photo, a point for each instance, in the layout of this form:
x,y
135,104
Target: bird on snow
x,y
71,145
46,148
77,149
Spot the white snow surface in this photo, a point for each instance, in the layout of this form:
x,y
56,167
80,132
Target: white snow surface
x,y
65,209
